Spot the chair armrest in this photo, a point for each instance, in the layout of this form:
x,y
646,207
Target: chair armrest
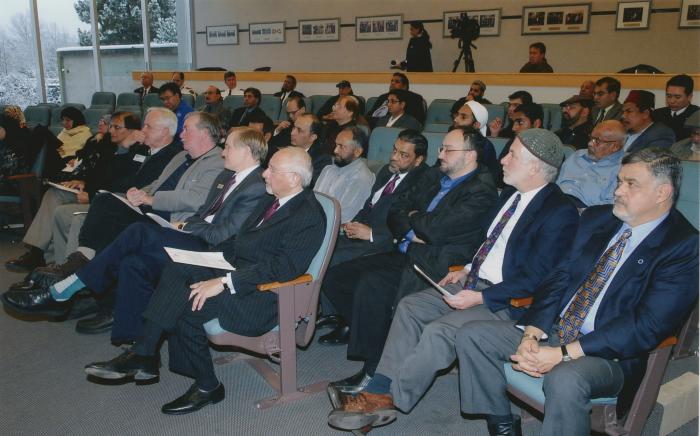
x,y
668,342
521,302
455,268
21,176
306,278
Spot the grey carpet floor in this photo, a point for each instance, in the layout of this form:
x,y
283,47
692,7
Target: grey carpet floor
x,y
44,391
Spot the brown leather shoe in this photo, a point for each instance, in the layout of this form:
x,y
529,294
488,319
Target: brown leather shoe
x,y
50,275
363,409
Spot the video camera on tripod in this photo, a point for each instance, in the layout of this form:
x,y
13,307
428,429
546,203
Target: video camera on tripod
x,y
466,30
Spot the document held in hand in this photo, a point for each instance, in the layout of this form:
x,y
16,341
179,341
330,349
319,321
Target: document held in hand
x,y
163,223
442,290
200,258
123,200
63,188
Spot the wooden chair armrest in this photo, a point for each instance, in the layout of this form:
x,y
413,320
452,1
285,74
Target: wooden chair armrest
x,y
668,342
21,176
521,302
454,268
306,278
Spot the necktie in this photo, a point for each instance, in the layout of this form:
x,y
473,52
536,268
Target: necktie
x,y
570,324
601,115
389,188
270,211
229,92
216,205
480,256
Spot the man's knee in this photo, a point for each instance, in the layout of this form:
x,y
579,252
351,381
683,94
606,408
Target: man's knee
x,y
565,381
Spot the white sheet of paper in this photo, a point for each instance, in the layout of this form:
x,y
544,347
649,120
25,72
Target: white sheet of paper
x,y
163,223
63,188
123,200
200,258
442,290
71,168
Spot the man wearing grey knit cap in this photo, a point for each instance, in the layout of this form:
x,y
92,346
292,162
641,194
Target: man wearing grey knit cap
x,y
529,230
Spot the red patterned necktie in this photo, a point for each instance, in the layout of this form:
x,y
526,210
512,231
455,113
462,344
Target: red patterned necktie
x,y
270,211
473,276
570,324
220,199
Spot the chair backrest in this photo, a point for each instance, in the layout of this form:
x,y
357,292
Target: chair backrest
x,y
317,102
495,110
689,197
439,111
37,115
93,115
39,162
434,143
189,99
552,116
498,144
271,105
199,101
103,100
369,105
151,100
233,102
128,99
436,127
568,150
381,142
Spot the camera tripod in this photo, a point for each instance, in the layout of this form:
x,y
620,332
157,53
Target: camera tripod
x,y
466,52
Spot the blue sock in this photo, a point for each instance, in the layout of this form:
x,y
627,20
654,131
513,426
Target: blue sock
x,y
66,288
380,384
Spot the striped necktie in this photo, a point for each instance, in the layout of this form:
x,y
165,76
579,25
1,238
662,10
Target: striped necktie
x,y
570,324
480,257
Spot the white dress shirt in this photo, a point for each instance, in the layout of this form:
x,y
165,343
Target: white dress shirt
x,y
240,176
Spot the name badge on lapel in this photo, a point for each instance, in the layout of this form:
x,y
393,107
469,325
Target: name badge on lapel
x,y
220,186
139,158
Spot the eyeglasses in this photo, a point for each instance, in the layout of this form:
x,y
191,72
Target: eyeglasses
x,y
600,93
392,101
116,127
444,149
278,171
293,112
596,141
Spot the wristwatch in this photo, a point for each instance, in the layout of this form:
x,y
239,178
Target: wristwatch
x,y
225,283
565,354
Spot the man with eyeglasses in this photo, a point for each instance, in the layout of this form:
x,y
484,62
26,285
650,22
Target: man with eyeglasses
x,y
397,116
282,135
589,176
529,230
436,225
214,104
524,116
605,97
131,166
171,96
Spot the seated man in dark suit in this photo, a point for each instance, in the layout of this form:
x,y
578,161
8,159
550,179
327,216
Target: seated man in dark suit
x,y
679,93
282,135
135,259
251,101
396,115
415,104
606,96
288,85
529,230
344,88
629,281
177,194
306,134
437,224
642,131
276,243
146,85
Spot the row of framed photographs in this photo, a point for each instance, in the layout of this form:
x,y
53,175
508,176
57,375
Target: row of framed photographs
x,y
550,19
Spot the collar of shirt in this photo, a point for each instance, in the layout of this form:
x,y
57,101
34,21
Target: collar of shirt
x,y
284,200
241,175
447,183
392,120
153,151
679,111
613,157
639,233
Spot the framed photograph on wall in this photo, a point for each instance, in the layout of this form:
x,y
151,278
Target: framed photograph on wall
x,y
690,14
266,33
222,35
556,19
489,21
633,15
380,27
323,29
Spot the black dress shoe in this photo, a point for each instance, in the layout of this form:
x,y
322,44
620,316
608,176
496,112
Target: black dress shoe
x,y
351,385
35,302
511,427
82,306
193,400
339,336
127,365
100,323
328,320
24,285
27,262
50,275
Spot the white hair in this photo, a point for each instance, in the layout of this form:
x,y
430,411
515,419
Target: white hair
x,y
166,119
299,162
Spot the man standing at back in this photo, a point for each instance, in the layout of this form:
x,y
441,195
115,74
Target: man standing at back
x,y
231,84
146,85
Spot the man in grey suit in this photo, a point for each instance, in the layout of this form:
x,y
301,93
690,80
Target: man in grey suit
x,y
136,258
175,195
276,243
642,131
397,116
605,98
